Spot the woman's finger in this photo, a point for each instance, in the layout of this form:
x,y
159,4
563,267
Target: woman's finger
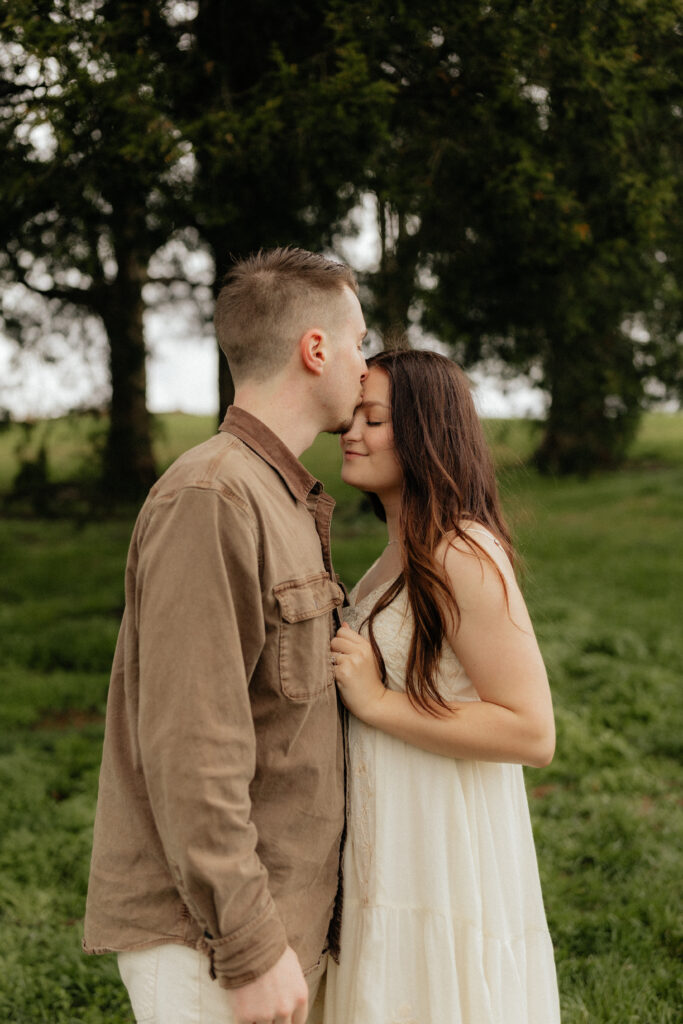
x,y
346,630
351,637
343,646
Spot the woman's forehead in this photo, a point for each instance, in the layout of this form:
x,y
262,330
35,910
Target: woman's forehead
x,y
376,388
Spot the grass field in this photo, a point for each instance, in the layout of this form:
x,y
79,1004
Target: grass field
x,y
603,575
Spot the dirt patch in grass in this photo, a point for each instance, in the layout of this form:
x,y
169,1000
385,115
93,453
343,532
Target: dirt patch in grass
x,y
71,719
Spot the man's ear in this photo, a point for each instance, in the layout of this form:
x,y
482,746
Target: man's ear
x,y
313,350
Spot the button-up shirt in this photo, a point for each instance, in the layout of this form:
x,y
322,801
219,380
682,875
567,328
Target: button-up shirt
x,y
221,802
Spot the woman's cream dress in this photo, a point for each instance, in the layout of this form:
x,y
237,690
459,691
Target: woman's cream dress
x,y
443,918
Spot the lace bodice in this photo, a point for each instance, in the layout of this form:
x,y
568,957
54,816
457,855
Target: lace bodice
x,y
393,628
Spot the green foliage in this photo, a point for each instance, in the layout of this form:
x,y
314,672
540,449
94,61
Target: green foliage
x,y
32,479
525,160
91,158
126,126
529,194
48,781
61,596
604,586
52,467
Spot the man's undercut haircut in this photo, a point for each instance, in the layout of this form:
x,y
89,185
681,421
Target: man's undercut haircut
x,y
269,300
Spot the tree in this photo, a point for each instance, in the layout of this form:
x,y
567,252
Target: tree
x,y
248,126
530,184
90,151
524,158
278,106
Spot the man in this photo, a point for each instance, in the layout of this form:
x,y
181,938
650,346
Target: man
x,y
220,809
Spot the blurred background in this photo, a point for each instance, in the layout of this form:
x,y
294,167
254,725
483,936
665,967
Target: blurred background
x,y
505,178
506,181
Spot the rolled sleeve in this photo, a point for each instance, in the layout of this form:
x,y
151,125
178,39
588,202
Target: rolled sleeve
x,y
201,631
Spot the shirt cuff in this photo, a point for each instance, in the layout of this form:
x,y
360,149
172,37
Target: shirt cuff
x,y
245,955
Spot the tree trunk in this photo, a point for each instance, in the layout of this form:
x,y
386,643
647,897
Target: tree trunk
x,y
595,405
128,466
395,279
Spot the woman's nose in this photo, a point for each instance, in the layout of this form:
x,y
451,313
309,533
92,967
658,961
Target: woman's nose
x,y
352,433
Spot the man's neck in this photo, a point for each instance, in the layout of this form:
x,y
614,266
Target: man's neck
x,y
283,412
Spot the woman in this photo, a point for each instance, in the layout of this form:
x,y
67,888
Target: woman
x,y
437,662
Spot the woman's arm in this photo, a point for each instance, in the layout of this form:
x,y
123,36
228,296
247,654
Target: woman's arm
x,y
496,646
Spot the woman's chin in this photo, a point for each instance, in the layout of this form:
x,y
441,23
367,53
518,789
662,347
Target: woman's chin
x,y
350,478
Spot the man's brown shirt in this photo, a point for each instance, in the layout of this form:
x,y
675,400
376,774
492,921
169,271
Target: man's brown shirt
x,y
221,801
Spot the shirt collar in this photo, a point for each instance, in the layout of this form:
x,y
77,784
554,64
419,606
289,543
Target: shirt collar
x,y
272,450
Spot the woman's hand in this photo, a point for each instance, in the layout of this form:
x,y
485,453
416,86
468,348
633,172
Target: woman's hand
x,y
356,673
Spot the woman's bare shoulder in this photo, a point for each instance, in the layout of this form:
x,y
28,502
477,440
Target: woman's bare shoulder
x,y
473,541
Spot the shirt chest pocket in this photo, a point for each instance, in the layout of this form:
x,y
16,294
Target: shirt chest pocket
x,y
305,632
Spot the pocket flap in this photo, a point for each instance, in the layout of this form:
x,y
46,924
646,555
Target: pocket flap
x,y
305,598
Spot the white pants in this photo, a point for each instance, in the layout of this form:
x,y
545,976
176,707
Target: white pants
x,y
171,984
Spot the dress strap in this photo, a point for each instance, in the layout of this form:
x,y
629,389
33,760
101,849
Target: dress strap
x,y
486,533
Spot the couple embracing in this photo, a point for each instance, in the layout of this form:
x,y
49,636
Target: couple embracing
x,y
223,873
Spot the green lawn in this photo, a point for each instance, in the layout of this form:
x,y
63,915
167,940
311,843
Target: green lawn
x,y
603,574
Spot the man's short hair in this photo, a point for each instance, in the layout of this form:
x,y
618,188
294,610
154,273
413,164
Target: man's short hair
x,y
269,300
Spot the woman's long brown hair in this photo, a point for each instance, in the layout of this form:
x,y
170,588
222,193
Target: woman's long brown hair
x,y
448,483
